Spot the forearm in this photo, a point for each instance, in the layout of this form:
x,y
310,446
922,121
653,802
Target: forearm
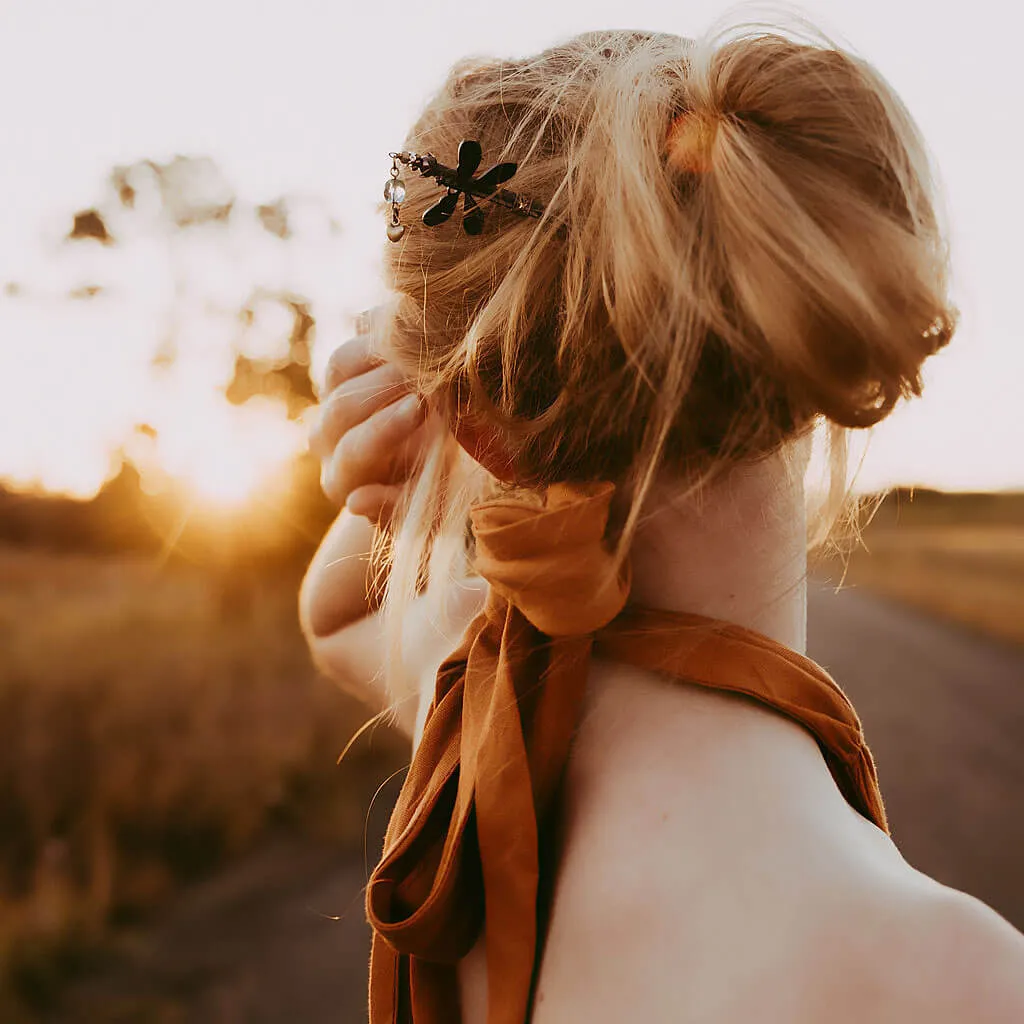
x,y
335,591
346,632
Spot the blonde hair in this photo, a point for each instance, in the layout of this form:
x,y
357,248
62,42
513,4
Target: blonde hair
x,y
740,240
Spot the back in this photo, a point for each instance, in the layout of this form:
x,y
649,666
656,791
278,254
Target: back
x,y
709,870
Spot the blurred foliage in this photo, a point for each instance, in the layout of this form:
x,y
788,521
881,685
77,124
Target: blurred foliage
x,y
139,510
190,190
286,378
282,527
959,557
149,729
90,224
159,712
922,506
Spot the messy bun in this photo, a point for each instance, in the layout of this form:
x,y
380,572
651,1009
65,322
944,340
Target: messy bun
x,y
739,238
822,231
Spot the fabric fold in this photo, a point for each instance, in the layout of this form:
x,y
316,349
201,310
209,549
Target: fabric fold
x,y
462,846
461,854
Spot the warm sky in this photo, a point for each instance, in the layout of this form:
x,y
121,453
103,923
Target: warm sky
x,y
306,97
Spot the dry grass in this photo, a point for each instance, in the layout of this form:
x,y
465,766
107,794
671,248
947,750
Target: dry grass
x,y
152,722
953,557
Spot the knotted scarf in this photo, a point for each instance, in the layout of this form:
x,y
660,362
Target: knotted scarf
x,y
461,854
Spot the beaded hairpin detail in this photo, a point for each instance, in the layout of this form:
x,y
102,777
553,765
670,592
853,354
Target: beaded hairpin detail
x,y
458,181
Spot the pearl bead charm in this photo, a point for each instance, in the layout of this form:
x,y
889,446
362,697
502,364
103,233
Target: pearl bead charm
x,y
394,190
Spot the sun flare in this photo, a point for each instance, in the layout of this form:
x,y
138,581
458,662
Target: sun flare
x,y
223,455
223,483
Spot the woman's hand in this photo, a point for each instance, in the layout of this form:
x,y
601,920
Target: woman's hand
x,y
368,430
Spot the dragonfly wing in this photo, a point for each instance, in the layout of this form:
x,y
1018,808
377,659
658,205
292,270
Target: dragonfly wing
x,y
469,158
441,210
496,175
473,222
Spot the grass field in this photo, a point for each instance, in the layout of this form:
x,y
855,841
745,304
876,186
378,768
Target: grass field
x,y
958,557
153,722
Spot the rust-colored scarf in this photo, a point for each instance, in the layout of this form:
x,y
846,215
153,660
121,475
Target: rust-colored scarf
x,y
462,849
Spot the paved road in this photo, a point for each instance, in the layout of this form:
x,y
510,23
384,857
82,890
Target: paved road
x,y
277,939
944,714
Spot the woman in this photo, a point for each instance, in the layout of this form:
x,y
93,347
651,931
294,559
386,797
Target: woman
x,y
631,796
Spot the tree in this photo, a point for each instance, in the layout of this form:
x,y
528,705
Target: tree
x,y
260,330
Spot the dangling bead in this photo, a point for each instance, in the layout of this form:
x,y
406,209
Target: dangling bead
x,y
394,190
395,231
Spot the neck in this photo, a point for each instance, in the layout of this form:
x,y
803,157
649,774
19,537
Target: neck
x,y
738,551
739,554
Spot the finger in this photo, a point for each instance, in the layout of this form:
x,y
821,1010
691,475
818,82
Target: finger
x,y
354,401
375,502
407,453
394,473
353,357
366,453
399,462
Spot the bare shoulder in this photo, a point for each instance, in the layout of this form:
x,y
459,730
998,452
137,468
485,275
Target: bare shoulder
x,y
680,896
978,960
950,958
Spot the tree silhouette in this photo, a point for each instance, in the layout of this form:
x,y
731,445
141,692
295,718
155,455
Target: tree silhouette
x,y
182,202
286,378
90,224
187,192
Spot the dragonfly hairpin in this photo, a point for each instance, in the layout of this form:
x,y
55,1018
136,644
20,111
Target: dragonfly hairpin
x,y
458,181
